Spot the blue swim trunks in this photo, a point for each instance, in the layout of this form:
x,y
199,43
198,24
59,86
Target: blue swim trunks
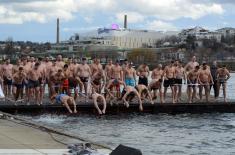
x,y
58,98
130,82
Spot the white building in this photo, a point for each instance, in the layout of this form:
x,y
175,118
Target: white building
x,y
200,33
123,38
226,31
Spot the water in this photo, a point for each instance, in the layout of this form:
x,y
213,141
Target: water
x,y
154,134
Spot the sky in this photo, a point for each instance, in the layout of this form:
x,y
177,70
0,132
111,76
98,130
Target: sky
x,y
35,20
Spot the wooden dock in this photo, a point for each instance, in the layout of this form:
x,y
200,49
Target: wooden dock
x,y
118,107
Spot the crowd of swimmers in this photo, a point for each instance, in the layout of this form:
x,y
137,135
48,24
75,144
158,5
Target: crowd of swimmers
x,y
69,80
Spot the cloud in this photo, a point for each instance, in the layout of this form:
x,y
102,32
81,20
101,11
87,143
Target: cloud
x,y
159,25
42,11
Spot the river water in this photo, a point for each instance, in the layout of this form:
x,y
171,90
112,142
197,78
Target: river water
x,y
155,134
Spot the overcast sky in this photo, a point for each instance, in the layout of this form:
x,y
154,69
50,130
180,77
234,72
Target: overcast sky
x,y
35,20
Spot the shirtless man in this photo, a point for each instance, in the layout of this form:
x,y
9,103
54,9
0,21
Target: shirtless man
x,y
116,78
98,98
222,76
204,81
98,81
65,100
169,80
179,77
57,80
65,85
52,70
129,74
95,66
128,94
143,73
108,70
83,74
191,65
72,66
192,80
7,68
16,67
144,93
156,83
18,83
59,62
33,75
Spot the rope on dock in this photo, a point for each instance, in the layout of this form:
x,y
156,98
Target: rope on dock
x,y
49,130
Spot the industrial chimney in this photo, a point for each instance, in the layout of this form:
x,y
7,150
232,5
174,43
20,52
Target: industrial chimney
x,y
58,31
125,21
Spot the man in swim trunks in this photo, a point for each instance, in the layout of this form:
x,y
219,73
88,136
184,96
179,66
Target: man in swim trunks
x,y
18,79
128,94
129,74
59,62
156,83
65,85
143,73
83,74
222,77
33,75
192,80
204,81
116,79
144,93
65,100
7,69
98,98
179,77
108,70
169,80
98,80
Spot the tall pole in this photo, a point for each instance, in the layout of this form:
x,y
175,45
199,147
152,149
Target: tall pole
x,y
58,31
125,21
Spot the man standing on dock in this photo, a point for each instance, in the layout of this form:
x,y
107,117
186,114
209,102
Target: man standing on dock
x,y
129,75
204,80
143,73
222,77
7,69
169,80
83,73
156,83
192,81
214,69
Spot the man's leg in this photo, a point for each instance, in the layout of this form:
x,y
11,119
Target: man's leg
x,y
224,91
207,91
200,91
173,93
190,94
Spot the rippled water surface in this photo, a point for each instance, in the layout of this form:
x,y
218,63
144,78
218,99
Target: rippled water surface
x,y
154,134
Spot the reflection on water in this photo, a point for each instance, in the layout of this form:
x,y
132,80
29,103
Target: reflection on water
x,y
155,134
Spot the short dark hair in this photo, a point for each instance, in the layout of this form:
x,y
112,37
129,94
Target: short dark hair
x,y
66,66
37,64
21,68
83,59
197,67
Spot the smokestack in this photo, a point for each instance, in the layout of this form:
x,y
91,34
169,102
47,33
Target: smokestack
x,y
58,31
125,21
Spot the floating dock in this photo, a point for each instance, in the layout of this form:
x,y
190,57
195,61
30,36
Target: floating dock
x,y
118,107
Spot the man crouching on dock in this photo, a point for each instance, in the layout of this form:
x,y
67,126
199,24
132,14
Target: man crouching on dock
x,y
65,100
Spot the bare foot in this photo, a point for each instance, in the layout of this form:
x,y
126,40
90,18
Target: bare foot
x,y
141,108
75,111
103,111
100,112
127,105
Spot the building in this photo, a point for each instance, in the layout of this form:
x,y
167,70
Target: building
x,y
200,33
227,31
123,38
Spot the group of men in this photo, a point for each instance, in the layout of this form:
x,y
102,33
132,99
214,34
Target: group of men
x,y
30,76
